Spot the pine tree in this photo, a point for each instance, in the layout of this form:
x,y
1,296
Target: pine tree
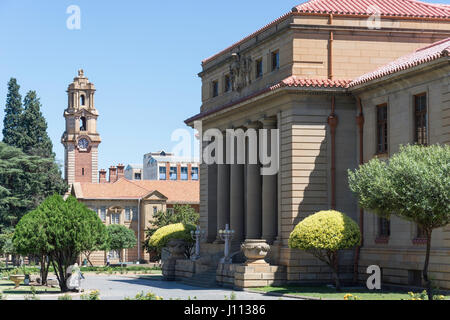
x,y
12,131
36,140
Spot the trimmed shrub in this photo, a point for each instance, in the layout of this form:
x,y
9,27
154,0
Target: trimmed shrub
x,y
163,235
323,234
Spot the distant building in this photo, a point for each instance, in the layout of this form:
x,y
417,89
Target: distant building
x,y
133,172
166,166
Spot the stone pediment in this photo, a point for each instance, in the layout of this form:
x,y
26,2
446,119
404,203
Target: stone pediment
x,y
155,195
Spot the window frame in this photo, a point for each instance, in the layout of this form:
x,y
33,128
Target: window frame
x,y
423,114
227,83
173,173
165,173
275,53
215,88
384,143
259,66
196,169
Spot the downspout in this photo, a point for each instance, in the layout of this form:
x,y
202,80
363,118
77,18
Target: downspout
x,y
333,122
139,230
360,123
330,50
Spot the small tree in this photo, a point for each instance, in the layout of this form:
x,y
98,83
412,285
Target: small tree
x,y
64,230
184,214
119,237
414,185
6,243
325,233
30,238
163,235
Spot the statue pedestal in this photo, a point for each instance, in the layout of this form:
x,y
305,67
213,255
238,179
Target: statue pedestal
x,y
256,272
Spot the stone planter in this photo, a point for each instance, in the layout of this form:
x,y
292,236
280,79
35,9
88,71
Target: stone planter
x,y
176,250
255,250
17,279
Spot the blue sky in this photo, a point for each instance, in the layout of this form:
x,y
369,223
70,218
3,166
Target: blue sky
x,y
142,56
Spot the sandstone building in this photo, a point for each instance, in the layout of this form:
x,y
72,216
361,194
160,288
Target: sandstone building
x,y
116,200
343,82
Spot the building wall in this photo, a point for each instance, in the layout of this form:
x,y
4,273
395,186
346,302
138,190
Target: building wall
x,y
83,160
401,254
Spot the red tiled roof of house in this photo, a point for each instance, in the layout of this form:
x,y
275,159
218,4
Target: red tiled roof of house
x,y
391,8
292,81
175,191
420,56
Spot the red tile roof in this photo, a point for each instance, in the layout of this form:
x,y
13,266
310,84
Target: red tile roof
x,y
292,81
420,56
388,8
123,189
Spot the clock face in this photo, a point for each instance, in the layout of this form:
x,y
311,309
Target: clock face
x,y
83,143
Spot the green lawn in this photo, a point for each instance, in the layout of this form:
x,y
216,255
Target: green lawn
x,y
7,288
325,292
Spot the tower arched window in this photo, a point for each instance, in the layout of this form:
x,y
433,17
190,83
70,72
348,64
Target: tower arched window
x,y
83,124
82,100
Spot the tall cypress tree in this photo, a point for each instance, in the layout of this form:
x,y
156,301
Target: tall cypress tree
x,y
12,130
36,140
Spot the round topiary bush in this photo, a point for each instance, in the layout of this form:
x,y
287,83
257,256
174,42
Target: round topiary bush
x,y
323,234
325,230
172,231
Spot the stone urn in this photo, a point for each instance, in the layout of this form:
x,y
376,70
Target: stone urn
x,y
17,279
255,250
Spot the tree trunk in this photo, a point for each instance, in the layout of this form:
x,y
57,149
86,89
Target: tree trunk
x,y
44,270
428,284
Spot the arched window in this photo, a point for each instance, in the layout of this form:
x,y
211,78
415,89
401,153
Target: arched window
x,y
82,100
82,124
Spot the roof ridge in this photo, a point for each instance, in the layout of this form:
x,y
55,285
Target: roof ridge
x,y
132,182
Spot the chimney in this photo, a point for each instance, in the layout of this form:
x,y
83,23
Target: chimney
x,y
102,176
120,171
112,174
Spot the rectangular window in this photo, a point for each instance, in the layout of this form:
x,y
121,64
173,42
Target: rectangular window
x,y
173,173
170,210
115,218
259,68
137,176
184,173
215,88
194,173
227,81
384,227
103,213
420,119
162,173
135,213
155,209
275,60
420,233
114,254
82,171
382,129
128,214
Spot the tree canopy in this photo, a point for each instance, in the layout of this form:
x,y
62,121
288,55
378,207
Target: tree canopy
x,y
12,127
414,185
119,237
64,229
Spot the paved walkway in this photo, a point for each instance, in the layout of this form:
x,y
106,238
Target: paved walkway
x,y
113,287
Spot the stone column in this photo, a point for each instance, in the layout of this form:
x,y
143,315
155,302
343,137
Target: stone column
x,y
269,192
237,198
253,186
223,194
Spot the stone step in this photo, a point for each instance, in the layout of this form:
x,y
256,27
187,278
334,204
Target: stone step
x,y
204,279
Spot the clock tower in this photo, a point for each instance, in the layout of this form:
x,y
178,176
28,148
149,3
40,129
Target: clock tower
x,y
81,139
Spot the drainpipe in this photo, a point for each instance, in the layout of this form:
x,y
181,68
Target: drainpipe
x,y
139,230
360,123
330,50
333,122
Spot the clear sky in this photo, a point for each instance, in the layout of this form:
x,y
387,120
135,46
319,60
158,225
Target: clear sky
x,y
142,56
